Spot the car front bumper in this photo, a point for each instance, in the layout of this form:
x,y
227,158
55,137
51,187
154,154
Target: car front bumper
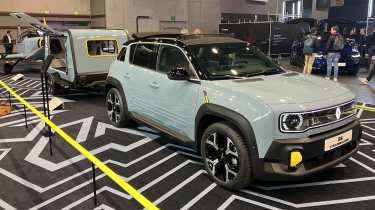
x,y
275,165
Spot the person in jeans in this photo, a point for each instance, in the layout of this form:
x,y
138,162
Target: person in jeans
x,y
335,44
309,50
371,53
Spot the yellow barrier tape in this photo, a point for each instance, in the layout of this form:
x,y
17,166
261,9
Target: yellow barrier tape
x,y
116,178
365,108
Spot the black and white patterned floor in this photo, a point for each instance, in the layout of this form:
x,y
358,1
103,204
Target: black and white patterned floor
x,y
168,174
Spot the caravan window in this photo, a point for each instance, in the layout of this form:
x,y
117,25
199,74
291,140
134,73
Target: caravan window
x,y
102,48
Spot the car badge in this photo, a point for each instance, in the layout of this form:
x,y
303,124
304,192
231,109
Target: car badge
x,y
338,113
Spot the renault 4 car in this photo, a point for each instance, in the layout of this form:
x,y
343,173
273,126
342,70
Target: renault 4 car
x,y
248,117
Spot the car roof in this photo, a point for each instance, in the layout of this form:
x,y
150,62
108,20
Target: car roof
x,y
188,40
198,40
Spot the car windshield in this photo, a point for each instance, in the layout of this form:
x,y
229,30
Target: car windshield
x,y
233,60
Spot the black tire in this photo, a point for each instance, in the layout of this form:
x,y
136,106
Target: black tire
x,y
117,109
218,159
53,87
8,68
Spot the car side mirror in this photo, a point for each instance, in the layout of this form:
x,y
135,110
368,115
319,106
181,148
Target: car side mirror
x,y
178,73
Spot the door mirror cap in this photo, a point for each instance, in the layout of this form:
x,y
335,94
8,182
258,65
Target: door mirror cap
x,y
178,73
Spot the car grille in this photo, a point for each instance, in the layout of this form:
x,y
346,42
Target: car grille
x,y
330,115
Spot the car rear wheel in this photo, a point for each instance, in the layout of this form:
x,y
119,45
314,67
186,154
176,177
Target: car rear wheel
x,y
117,111
226,156
8,68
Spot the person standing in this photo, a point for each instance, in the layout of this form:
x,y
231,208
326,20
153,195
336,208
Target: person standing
x,y
335,44
371,53
309,50
7,41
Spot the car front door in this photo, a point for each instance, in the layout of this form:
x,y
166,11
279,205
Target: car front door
x,y
137,79
175,101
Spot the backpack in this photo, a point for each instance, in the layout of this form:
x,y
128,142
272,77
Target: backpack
x,y
339,43
308,45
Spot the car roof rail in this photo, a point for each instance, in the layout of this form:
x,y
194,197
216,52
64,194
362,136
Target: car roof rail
x,y
149,35
193,36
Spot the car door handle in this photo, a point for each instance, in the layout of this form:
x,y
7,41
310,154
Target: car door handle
x,y
154,85
127,75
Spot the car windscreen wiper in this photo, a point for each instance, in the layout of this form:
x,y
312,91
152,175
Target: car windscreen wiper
x,y
265,72
228,76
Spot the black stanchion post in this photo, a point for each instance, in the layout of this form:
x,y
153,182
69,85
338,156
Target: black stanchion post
x,y
94,184
45,97
10,101
43,92
48,113
24,111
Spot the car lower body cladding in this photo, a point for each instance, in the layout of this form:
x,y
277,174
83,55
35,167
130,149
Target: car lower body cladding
x,y
91,78
275,165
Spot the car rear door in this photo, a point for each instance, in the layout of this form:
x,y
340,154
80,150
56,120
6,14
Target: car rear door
x,y
137,79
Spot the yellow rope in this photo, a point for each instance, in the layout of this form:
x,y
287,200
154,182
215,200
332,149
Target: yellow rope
x,y
109,172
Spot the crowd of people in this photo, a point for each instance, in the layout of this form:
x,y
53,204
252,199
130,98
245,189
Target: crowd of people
x,y
333,48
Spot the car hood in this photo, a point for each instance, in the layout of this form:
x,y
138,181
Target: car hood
x,y
288,88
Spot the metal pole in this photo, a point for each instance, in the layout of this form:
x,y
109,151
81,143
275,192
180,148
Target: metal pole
x,y
367,25
48,115
43,93
24,111
270,36
94,183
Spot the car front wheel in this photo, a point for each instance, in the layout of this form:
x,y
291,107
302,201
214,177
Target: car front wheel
x,y
117,111
226,156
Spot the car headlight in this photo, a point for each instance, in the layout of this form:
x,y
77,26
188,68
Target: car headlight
x,y
291,122
320,56
356,55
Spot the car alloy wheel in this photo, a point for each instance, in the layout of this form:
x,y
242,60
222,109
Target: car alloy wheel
x,y
222,157
114,107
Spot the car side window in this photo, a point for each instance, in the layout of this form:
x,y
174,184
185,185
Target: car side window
x,y
122,54
131,53
172,58
146,55
102,48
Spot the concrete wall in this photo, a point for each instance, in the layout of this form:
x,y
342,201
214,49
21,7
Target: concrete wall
x,y
319,14
165,15
243,7
98,14
53,6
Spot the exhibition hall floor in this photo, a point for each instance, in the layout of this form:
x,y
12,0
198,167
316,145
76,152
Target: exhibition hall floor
x,y
167,173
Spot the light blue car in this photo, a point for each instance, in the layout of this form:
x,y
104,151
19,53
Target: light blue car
x,y
249,118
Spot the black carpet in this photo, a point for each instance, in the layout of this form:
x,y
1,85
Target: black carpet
x,y
167,173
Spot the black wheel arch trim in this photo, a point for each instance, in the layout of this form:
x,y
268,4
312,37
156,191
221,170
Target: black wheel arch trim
x,y
111,81
239,121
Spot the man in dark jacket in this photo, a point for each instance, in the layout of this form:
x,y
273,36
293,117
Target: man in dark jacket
x,y
371,53
7,41
335,44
